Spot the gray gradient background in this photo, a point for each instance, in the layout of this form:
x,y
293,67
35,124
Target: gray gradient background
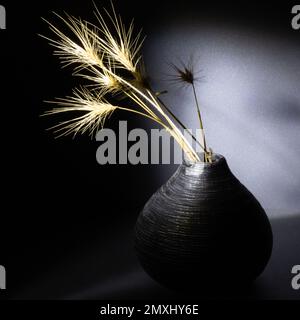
x,y
250,101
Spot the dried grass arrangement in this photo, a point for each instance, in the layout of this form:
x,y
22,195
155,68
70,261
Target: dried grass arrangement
x,y
108,55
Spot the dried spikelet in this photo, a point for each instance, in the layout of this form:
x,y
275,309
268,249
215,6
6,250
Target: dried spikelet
x,y
104,80
86,53
111,60
119,44
95,109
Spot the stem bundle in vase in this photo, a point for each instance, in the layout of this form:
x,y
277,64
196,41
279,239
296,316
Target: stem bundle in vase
x,y
108,55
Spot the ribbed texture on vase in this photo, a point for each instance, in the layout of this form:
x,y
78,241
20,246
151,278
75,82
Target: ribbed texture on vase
x,y
201,225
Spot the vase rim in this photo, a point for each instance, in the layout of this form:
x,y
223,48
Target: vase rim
x,y
216,157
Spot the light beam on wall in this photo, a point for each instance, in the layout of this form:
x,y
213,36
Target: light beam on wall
x,y
250,102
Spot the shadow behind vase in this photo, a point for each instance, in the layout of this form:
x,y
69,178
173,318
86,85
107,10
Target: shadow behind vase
x,y
202,228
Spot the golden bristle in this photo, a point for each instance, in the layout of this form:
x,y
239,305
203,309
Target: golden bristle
x,y
120,45
95,109
85,53
101,54
104,80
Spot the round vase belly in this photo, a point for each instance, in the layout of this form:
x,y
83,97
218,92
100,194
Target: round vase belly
x,y
203,227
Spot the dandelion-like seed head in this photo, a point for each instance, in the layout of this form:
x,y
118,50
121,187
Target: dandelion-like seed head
x,y
185,73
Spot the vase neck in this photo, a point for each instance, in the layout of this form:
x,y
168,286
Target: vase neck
x,y
218,164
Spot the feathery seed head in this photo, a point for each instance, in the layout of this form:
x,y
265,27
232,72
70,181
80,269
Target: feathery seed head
x,y
104,80
85,51
119,45
95,109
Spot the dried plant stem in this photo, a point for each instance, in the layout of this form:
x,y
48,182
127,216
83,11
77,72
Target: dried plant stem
x,y
180,123
141,103
207,157
178,136
144,115
103,51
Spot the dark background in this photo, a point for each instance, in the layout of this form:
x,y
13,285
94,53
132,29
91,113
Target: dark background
x,y
65,219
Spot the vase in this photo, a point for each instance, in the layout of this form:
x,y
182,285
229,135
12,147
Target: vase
x,y
203,227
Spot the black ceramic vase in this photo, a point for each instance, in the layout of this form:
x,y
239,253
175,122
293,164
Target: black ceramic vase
x,y
201,227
